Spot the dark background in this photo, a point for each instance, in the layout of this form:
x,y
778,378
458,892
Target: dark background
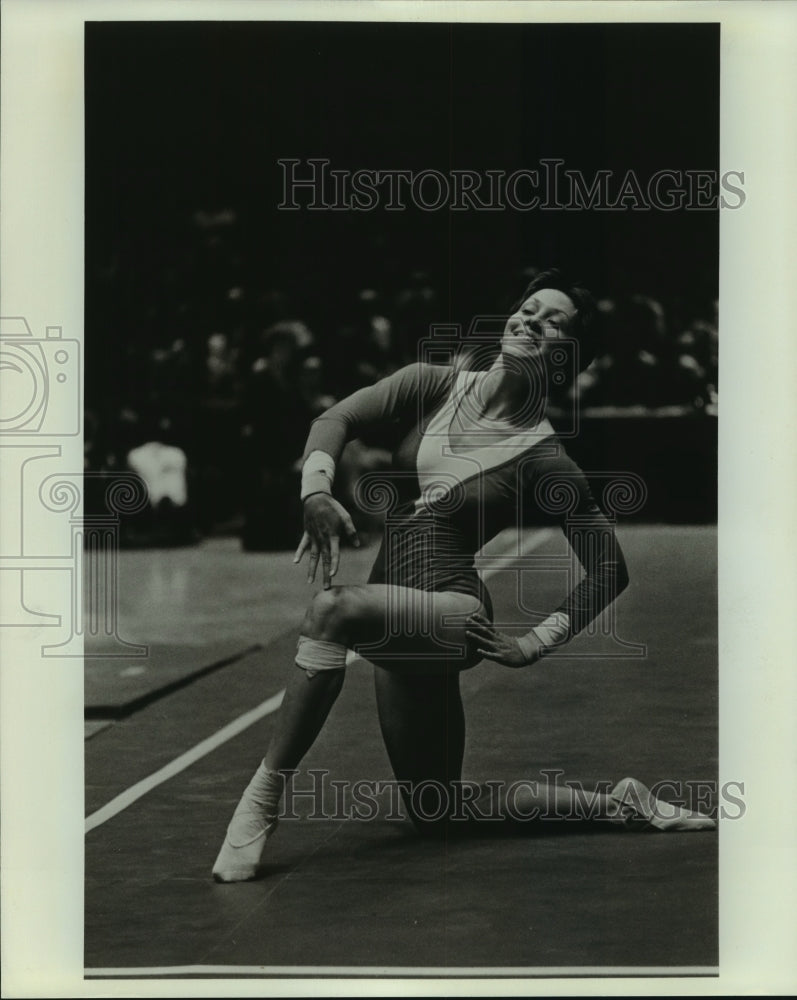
x,y
185,123
187,115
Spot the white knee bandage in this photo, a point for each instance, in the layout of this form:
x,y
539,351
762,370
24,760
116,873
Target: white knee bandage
x,y
313,655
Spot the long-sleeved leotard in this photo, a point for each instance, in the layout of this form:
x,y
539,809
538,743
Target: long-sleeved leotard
x,y
443,502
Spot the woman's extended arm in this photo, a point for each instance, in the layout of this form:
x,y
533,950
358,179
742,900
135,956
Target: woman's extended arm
x,y
401,395
595,544
593,541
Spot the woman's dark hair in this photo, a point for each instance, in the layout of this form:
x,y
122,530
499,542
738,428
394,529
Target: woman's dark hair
x,y
583,326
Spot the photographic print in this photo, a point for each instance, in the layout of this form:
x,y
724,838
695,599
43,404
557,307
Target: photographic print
x,y
379,492
397,294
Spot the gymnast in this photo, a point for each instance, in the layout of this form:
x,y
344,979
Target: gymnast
x,y
475,453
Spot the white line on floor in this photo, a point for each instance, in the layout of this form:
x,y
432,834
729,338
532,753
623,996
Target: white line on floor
x,y
530,542
128,797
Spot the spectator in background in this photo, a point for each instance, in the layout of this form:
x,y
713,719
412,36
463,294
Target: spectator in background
x,y
271,398
276,415
220,367
378,356
694,374
163,468
217,435
630,371
147,445
362,349
311,386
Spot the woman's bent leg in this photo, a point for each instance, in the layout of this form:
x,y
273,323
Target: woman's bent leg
x,y
410,631
406,628
305,707
423,726
307,703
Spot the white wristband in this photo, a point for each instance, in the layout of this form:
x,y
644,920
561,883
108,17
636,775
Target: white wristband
x,y
318,474
552,632
529,644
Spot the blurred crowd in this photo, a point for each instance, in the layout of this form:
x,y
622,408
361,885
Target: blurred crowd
x,y
209,362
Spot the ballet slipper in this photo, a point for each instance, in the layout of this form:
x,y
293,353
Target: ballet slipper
x,y
638,807
252,823
239,857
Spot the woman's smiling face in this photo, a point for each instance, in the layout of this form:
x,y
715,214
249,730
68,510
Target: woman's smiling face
x,y
545,316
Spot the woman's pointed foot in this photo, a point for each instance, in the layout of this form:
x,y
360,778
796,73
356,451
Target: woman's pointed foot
x,y
239,857
252,823
637,807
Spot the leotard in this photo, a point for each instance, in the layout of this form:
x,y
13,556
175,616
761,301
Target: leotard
x,y
443,502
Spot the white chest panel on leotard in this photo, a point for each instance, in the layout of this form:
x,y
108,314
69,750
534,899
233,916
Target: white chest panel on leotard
x,y
439,467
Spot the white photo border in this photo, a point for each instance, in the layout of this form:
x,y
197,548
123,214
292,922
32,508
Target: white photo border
x,y
41,279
